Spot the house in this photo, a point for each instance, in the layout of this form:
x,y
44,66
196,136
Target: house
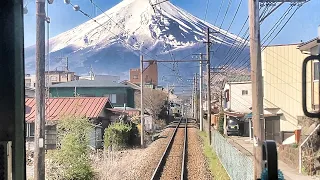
x,y
282,74
55,77
237,100
150,74
119,94
30,81
238,94
30,92
51,77
96,109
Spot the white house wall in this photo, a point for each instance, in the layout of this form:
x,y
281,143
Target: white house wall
x,y
239,102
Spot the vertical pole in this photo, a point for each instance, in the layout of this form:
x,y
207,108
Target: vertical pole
x,y
192,98
200,94
256,77
48,56
141,101
67,67
196,97
39,155
168,100
208,85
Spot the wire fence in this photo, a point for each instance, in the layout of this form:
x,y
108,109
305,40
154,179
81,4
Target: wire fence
x,y
238,165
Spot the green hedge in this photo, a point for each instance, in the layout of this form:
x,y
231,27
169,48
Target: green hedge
x,y
71,159
221,123
117,135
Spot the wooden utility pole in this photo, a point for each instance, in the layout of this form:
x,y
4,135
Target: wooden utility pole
x,y
192,105
208,43
257,91
200,94
39,149
196,97
141,103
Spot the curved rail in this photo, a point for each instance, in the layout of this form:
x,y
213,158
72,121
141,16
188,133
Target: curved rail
x,y
157,173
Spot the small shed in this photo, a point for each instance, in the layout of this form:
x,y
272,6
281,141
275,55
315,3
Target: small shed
x,y
93,108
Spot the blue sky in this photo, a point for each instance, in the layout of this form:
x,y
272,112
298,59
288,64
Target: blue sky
x,y
303,25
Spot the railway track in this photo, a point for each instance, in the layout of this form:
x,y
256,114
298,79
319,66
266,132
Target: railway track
x,y
172,164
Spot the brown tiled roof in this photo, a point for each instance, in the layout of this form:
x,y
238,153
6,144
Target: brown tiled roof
x,y
129,112
56,108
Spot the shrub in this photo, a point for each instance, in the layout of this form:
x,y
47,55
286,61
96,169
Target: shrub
x,y
71,159
221,122
117,135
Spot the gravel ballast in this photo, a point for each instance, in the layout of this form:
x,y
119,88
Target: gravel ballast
x,y
136,164
197,168
172,168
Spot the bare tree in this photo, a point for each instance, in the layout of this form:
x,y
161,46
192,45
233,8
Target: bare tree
x,y
153,99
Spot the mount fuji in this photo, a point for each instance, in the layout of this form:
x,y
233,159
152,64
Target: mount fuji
x,y
113,42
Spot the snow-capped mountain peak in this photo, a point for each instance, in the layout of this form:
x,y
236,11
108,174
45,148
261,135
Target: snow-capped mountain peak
x,y
136,23
132,27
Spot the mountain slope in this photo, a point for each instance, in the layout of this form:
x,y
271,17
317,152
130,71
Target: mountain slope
x,y
113,42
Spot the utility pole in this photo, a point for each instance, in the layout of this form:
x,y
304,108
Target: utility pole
x,y
141,105
200,93
196,96
39,149
256,77
168,99
208,43
193,98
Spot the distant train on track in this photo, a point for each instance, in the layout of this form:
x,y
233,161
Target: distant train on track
x,y
175,109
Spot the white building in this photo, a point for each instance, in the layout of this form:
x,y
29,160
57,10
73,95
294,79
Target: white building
x,y
29,92
30,81
238,94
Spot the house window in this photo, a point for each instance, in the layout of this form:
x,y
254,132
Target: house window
x,y
30,129
112,97
227,96
316,71
244,92
53,78
135,77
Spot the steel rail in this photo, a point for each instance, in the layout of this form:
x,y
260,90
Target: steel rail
x,y
184,156
157,173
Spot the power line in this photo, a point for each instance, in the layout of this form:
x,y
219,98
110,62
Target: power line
x,y
231,22
222,2
77,8
206,11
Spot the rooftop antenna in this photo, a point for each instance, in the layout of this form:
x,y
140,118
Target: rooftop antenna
x,y
91,73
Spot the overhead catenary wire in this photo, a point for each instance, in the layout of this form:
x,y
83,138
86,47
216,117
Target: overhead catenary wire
x,y
116,23
236,55
234,17
77,8
263,45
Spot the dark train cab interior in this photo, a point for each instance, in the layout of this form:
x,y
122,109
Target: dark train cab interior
x,y
12,148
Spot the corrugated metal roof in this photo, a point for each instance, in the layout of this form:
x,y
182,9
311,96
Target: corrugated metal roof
x,y
89,83
239,78
130,112
132,85
57,108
